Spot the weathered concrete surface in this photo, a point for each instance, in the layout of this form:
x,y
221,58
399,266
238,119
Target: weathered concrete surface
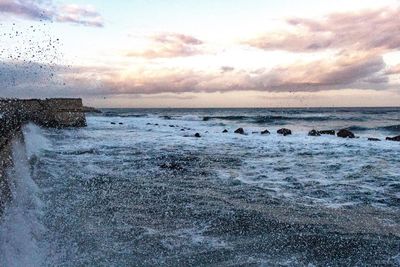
x,y
5,163
57,112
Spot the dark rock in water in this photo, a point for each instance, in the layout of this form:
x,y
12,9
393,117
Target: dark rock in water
x,y
148,123
374,139
156,124
254,132
265,132
172,166
197,135
182,130
113,123
121,123
225,131
172,126
345,134
396,138
314,133
329,132
284,131
239,131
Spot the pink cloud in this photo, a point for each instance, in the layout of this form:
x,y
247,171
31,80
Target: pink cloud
x,y
170,45
365,30
344,71
46,10
394,70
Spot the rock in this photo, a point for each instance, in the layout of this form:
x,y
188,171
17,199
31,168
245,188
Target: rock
x,y
197,135
374,139
148,123
182,130
265,132
172,126
121,123
113,123
314,133
239,131
225,131
172,166
329,132
284,131
345,134
396,138
254,132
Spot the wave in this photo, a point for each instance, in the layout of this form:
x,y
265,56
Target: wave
x,y
391,128
358,128
20,227
123,115
270,119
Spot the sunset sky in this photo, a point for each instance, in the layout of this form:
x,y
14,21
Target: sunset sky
x,y
202,53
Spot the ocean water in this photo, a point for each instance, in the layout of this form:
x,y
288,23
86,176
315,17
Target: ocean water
x,y
146,192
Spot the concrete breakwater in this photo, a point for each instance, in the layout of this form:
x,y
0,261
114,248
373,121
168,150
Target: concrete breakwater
x,y
14,113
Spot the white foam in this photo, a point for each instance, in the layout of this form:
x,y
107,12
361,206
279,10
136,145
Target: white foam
x,y
20,228
35,141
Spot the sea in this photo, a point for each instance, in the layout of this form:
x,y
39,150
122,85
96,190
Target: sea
x,y
137,188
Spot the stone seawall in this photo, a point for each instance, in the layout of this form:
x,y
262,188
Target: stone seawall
x,y
59,112
14,113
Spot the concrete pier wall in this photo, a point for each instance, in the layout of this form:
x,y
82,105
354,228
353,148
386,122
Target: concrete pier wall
x,y
14,113
56,112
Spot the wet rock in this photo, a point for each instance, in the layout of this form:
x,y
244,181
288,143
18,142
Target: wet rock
x,y
172,126
113,123
172,166
284,131
148,123
182,130
396,138
225,131
374,139
328,132
121,123
254,132
239,131
314,133
265,132
344,133
197,135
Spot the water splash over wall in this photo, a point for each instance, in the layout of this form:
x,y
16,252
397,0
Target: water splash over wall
x,y
20,225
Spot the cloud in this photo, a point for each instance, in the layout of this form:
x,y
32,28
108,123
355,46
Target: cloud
x,y
365,30
169,45
394,70
227,69
344,71
48,11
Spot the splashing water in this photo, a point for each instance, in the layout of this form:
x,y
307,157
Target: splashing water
x,y
21,228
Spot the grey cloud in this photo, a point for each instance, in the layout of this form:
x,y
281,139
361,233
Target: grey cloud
x,y
365,30
170,45
48,11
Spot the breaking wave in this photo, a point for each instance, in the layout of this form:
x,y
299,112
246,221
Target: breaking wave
x,y
20,225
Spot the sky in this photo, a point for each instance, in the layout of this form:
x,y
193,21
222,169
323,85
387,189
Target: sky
x,y
208,53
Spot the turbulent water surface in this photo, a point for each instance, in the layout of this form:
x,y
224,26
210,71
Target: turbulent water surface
x,y
146,192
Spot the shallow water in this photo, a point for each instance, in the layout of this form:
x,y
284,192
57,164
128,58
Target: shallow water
x,y
147,193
